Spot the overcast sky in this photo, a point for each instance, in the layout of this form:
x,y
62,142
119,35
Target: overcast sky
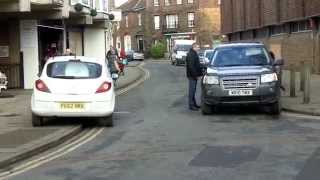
x,y
119,2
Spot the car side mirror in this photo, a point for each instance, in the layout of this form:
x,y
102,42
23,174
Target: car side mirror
x,y
279,62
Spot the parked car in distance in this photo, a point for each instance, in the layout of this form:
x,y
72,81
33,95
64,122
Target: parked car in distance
x,y
241,74
72,86
133,55
138,56
180,50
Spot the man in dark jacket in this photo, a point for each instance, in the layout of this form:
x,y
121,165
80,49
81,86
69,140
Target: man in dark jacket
x,y
193,73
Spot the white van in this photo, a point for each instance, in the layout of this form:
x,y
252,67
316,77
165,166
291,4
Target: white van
x,y
180,50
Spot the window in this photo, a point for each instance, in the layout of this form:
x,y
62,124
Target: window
x,y
300,26
240,56
179,1
83,2
172,21
74,70
127,23
100,5
156,2
219,2
167,2
139,19
191,19
190,1
156,22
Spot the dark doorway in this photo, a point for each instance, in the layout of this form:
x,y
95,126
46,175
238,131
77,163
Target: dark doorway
x,y
140,43
50,41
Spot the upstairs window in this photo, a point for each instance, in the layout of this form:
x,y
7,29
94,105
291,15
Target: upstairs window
x,y
83,2
191,19
139,19
127,21
167,2
179,1
190,1
156,2
156,22
172,21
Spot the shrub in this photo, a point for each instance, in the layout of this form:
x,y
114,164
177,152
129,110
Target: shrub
x,y
158,50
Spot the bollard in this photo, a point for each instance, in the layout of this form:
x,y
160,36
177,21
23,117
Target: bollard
x,y
302,78
292,81
307,83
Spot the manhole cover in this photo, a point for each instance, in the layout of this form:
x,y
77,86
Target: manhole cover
x,y
20,137
225,156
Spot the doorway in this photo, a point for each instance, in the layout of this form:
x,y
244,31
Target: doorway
x,y
50,42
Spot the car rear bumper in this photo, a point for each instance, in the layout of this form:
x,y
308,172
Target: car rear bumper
x,y
265,94
91,109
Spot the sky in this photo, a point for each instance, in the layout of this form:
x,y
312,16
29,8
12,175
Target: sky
x,y
119,2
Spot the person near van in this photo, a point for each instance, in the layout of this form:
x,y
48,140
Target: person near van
x,y
194,73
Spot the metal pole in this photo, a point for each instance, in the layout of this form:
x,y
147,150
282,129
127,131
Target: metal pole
x,y
306,94
302,77
292,81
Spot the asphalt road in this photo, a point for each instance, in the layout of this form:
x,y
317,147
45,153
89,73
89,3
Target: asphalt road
x,y
156,137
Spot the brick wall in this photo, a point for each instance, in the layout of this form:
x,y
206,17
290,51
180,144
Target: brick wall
x,y
269,12
226,16
252,9
312,7
291,10
238,15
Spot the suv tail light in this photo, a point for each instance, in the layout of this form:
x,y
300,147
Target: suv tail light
x,y
105,86
41,86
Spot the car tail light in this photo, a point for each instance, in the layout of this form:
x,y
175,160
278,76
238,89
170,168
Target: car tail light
x,y
105,86
41,86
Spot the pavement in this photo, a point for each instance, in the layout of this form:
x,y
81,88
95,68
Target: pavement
x,y
19,140
295,104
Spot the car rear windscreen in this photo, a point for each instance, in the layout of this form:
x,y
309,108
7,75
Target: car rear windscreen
x,y
74,70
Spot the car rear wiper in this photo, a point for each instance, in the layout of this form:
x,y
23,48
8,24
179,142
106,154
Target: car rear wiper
x,y
65,77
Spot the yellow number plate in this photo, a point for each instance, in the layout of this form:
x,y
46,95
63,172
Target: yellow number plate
x,y
72,106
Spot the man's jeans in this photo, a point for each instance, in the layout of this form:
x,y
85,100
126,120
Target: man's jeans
x,y
192,92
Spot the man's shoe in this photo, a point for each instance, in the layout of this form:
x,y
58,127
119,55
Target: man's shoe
x,y
197,106
193,108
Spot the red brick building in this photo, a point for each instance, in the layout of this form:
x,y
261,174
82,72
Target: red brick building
x,y
289,27
165,20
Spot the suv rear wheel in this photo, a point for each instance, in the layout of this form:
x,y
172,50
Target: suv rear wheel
x,y
37,120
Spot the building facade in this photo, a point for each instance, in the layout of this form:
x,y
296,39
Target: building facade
x,y
290,28
166,20
31,27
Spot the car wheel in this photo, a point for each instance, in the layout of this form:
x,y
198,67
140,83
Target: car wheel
x,y
105,121
205,108
37,120
275,108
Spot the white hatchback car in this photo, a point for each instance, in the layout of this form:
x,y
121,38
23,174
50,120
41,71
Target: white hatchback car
x,y
74,87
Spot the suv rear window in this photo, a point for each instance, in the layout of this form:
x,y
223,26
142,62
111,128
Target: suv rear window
x,y
240,56
74,70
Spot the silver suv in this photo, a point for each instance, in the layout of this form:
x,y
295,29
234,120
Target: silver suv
x,y
241,74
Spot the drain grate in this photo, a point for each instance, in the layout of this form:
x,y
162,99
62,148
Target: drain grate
x,y
225,156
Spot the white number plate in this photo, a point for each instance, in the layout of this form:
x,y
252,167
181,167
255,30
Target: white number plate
x,y
236,92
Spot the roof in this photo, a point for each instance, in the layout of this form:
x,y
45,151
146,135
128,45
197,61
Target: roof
x,y
132,5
